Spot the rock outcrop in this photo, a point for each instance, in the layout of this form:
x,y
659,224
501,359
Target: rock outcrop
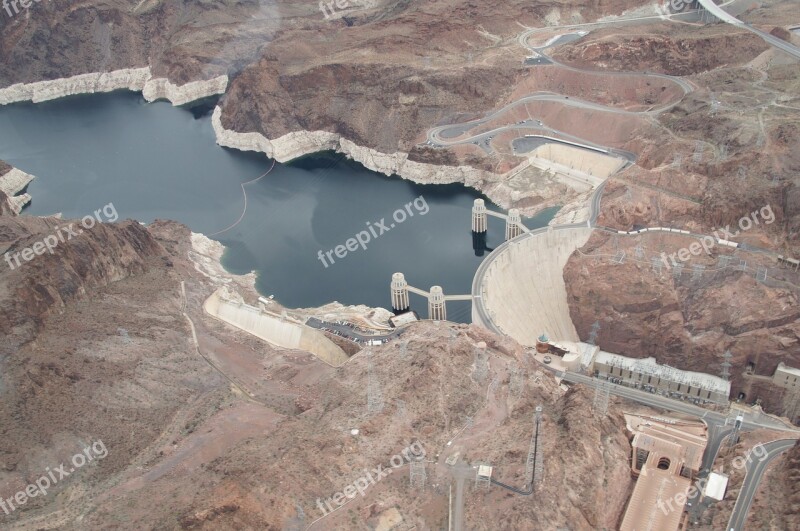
x,y
32,290
297,144
135,79
12,182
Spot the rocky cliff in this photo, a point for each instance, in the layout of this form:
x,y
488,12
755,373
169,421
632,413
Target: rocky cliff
x,y
43,284
107,335
135,79
297,144
12,182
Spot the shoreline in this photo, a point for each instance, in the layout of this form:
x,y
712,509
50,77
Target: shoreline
x,y
12,183
285,148
291,146
133,79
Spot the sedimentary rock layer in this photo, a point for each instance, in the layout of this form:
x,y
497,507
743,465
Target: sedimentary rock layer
x,y
296,144
136,79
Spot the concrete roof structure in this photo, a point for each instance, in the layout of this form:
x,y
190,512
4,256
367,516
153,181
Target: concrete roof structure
x,y
716,486
649,366
652,506
404,318
684,442
782,367
660,493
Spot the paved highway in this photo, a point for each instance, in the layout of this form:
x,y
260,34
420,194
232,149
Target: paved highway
x,y
723,15
718,431
751,420
717,434
523,39
438,135
350,333
755,469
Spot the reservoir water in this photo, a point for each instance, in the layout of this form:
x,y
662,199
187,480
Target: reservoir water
x,y
154,161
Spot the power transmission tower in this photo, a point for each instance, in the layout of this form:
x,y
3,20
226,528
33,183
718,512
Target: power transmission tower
x,y
726,365
602,393
538,468
593,333
481,365
403,349
529,464
417,474
517,382
657,263
374,395
400,408
697,156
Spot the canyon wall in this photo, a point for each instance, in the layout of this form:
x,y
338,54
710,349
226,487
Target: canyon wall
x,y
135,79
297,144
30,291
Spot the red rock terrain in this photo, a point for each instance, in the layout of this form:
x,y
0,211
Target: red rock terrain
x,y
777,503
96,348
231,433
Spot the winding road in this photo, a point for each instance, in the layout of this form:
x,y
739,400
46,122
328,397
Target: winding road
x,y
438,136
724,16
755,469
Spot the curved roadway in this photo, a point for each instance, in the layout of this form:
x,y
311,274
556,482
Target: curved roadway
x,y
754,472
716,421
438,136
723,15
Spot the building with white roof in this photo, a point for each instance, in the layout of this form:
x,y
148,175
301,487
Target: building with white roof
x,y
786,377
648,375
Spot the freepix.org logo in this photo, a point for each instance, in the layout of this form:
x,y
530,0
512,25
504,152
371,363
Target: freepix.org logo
x,y
376,229
343,5
678,5
62,235
50,478
15,4
413,452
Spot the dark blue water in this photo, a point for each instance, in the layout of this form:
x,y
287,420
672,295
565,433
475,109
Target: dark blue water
x,y
156,161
